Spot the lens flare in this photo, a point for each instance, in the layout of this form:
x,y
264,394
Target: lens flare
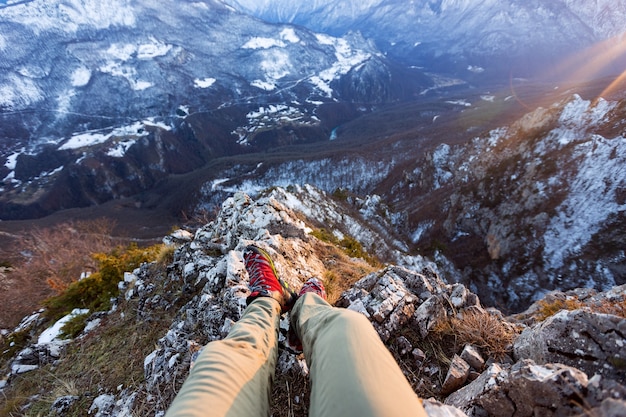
x,y
604,59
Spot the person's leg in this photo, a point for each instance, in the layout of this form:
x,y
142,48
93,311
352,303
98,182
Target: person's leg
x,y
352,372
233,376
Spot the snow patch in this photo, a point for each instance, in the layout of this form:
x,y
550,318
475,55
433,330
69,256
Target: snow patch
x,y
203,83
440,159
41,15
121,51
289,35
64,100
153,49
120,149
459,103
263,43
94,138
52,333
421,229
141,85
84,139
475,69
80,77
263,85
19,92
347,58
591,199
12,159
150,122
276,65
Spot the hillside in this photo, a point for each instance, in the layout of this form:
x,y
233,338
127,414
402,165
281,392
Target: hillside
x,y
131,357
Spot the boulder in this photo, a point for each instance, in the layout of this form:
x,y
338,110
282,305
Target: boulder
x,y
434,408
591,342
456,376
525,389
472,356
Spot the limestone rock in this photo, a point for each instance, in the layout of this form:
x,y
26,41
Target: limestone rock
x,y
471,355
63,404
609,408
527,389
429,313
456,376
591,342
434,408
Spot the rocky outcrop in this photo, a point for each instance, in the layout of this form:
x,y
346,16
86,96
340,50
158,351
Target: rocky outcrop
x,y
437,331
591,342
528,389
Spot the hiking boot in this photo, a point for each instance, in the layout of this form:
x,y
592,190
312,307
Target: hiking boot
x,y
313,285
264,281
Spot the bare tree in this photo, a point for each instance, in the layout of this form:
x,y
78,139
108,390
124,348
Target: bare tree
x,y
59,255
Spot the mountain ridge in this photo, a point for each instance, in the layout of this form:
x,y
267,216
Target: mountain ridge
x,y
200,292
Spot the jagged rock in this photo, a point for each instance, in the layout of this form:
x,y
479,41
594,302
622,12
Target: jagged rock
x,y
208,285
419,356
106,405
456,376
592,342
63,404
471,355
178,237
434,408
528,389
102,405
583,296
609,408
34,356
404,346
429,313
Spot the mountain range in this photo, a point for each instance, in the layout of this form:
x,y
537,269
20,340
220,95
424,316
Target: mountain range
x,y
488,131
130,355
521,37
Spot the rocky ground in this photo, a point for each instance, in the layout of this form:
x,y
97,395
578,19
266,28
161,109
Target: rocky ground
x,y
564,356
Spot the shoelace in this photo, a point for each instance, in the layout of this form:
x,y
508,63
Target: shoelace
x,y
313,285
255,271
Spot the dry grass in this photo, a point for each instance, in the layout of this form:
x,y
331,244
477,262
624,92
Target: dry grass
x,y
290,395
109,357
341,270
46,260
548,308
617,308
165,256
60,254
481,329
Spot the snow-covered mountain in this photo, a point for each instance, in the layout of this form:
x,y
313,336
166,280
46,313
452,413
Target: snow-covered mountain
x,y
113,96
516,211
105,100
496,35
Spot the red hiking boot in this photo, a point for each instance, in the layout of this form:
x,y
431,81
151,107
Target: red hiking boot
x,y
313,285
264,281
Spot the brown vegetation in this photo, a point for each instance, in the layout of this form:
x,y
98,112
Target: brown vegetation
x,y
479,328
92,364
342,271
60,254
549,307
44,261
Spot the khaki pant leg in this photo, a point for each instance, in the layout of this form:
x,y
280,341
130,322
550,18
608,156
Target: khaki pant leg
x,y
352,372
233,376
